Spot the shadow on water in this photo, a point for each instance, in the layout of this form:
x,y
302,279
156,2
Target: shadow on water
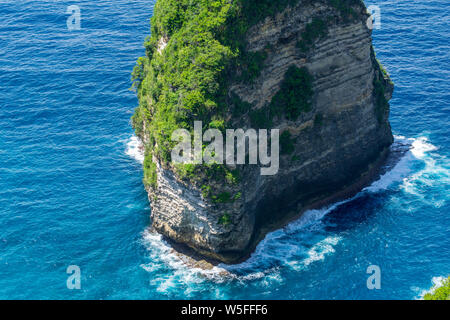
x,y
358,211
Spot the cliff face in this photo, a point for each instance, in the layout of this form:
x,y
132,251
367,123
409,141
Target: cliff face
x,y
332,149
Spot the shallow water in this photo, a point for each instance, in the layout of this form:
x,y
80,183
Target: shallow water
x,y
71,191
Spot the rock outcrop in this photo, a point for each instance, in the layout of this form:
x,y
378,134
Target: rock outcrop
x,y
335,146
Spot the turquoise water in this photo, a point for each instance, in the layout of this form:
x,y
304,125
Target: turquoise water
x,y
70,182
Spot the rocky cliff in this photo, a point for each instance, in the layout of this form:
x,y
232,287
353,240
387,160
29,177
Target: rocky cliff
x,y
332,141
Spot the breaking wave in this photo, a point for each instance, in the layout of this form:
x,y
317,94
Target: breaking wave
x,y
135,149
301,243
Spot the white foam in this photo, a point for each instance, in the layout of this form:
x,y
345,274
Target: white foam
x,y
286,246
160,251
421,146
321,249
396,174
281,248
274,243
418,150
135,149
437,282
435,171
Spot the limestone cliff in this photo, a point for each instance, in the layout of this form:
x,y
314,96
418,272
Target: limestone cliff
x,y
331,148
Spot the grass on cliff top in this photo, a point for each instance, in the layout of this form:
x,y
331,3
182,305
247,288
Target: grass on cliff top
x,y
189,79
441,293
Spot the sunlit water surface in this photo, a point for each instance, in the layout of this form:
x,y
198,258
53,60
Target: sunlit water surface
x,y
70,176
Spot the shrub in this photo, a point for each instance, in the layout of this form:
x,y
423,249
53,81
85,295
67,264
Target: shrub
x,y
318,119
225,220
251,65
217,124
186,171
314,30
294,95
381,103
256,11
286,143
441,293
232,176
221,197
150,175
261,118
344,7
206,191
189,80
239,107
137,122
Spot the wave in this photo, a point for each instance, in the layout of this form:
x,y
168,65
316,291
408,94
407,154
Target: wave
x,y
291,246
409,149
162,256
135,149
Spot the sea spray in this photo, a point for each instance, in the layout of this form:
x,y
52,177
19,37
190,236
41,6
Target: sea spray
x,y
299,244
437,282
135,149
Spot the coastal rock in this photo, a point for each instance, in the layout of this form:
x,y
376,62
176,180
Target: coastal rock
x,y
337,145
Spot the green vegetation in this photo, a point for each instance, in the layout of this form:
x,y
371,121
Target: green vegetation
x,y
295,94
441,293
137,121
379,84
318,119
206,191
138,73
314,31
232,177
381,103
293,98
223,197
318,28
383,70
218,172
345,9
150,176
204,51
256,11
225,220
183,83
286,143
186,171
251,64
240,107
237,196
261,118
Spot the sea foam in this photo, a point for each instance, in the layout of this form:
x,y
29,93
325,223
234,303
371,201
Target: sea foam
x,y
135,149
437,282
291,246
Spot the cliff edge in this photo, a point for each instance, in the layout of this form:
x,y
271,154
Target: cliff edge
x,y
305,67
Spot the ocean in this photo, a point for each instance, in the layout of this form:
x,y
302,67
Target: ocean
x,y
71,188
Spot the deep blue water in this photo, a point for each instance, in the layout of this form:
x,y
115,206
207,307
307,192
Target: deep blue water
x,y
71,194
